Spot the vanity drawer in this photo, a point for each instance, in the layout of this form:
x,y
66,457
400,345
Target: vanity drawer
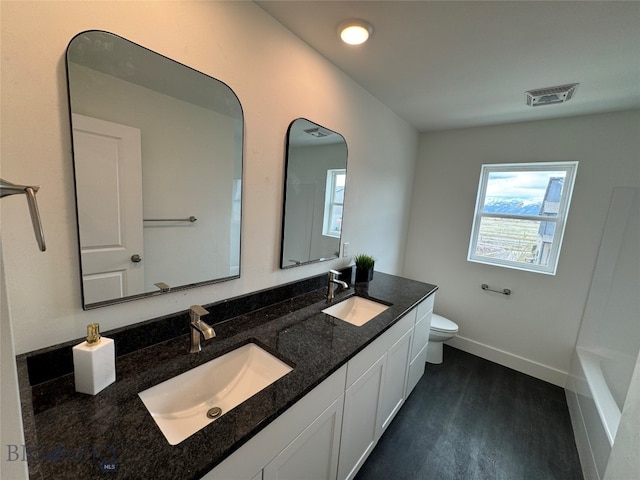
x,y
359,364
421,335
425,306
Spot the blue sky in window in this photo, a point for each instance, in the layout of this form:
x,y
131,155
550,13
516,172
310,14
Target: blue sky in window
x,y
517,192
521,185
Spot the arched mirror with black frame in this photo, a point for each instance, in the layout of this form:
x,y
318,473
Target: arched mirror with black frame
x,y
314,193
158,150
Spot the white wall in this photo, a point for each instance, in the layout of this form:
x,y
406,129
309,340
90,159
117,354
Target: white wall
x,y
277,78
535,329
11,436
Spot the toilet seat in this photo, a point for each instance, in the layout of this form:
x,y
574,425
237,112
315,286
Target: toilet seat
x,y
443,325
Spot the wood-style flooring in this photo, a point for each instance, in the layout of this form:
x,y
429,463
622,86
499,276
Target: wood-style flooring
x,y
471,419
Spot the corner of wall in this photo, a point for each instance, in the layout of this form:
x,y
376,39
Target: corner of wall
x,y
11,465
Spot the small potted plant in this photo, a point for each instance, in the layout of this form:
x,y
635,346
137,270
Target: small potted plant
x,y
364,267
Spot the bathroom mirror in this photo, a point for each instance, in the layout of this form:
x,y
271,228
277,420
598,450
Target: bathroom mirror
x,y
315,177
157,150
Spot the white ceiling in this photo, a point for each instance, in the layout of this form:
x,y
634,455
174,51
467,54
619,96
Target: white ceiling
x,y
452,64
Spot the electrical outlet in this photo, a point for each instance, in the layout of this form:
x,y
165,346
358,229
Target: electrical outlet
x,y
345,249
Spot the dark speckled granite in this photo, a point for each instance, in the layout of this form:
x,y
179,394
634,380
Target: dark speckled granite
x,y
53,362
112,436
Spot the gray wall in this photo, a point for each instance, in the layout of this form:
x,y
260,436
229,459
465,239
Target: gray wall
x,y
535,329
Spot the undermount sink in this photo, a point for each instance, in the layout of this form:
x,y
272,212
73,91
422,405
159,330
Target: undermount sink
x,y
188,402
356,310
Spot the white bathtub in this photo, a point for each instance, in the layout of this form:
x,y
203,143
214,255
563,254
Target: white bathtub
x,y
596,390
596,387
608,343
594,413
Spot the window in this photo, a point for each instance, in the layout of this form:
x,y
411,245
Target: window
x,y
333,202
521,211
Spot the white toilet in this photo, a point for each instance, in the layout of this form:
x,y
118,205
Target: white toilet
x,y
442,329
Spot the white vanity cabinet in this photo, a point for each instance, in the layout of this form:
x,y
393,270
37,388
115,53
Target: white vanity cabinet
x,y
331,431
375,390
314,453
304,438
418,361
395,379
360,430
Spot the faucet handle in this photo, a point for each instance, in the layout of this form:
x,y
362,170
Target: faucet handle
x,y
334,273
196,311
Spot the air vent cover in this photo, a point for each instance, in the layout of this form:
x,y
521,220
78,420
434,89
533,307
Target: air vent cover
x,y
317,132
551,95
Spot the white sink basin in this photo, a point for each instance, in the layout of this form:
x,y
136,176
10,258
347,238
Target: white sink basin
x,y
179,405
356,310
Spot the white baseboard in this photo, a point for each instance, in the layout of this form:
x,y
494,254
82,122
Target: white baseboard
x,y
510,360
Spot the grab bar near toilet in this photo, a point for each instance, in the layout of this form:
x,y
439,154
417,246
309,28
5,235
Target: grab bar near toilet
x,y
504,291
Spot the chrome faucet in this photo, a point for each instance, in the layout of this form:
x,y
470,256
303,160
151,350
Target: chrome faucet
x,y
198,327
333,278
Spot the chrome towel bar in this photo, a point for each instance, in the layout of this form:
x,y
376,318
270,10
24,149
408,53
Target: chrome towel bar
x,y
8,188
188,219
504,291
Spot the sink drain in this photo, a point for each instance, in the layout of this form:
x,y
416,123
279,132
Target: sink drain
x,y
214,412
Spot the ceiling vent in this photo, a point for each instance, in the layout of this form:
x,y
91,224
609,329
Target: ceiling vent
x,y
317,132
551,95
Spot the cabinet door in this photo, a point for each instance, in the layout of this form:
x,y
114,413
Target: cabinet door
x,y
395,379
360,429
421,335
416,370
313,455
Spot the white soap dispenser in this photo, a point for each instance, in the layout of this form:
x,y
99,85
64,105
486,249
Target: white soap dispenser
x,y
94,362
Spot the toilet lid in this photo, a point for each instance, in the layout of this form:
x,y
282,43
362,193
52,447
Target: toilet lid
x,y
441,324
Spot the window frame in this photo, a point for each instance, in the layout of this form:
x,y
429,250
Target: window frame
x,y
330,203
570,168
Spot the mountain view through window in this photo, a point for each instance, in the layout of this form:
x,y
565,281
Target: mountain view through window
x,y
521,209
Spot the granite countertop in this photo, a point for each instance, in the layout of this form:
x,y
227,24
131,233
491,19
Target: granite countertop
x,y
70,435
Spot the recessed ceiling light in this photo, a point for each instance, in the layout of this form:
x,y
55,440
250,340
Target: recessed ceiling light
x,y
354,31
551,95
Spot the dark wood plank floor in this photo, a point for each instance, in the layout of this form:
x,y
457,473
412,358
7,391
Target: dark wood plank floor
x,y
469,418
